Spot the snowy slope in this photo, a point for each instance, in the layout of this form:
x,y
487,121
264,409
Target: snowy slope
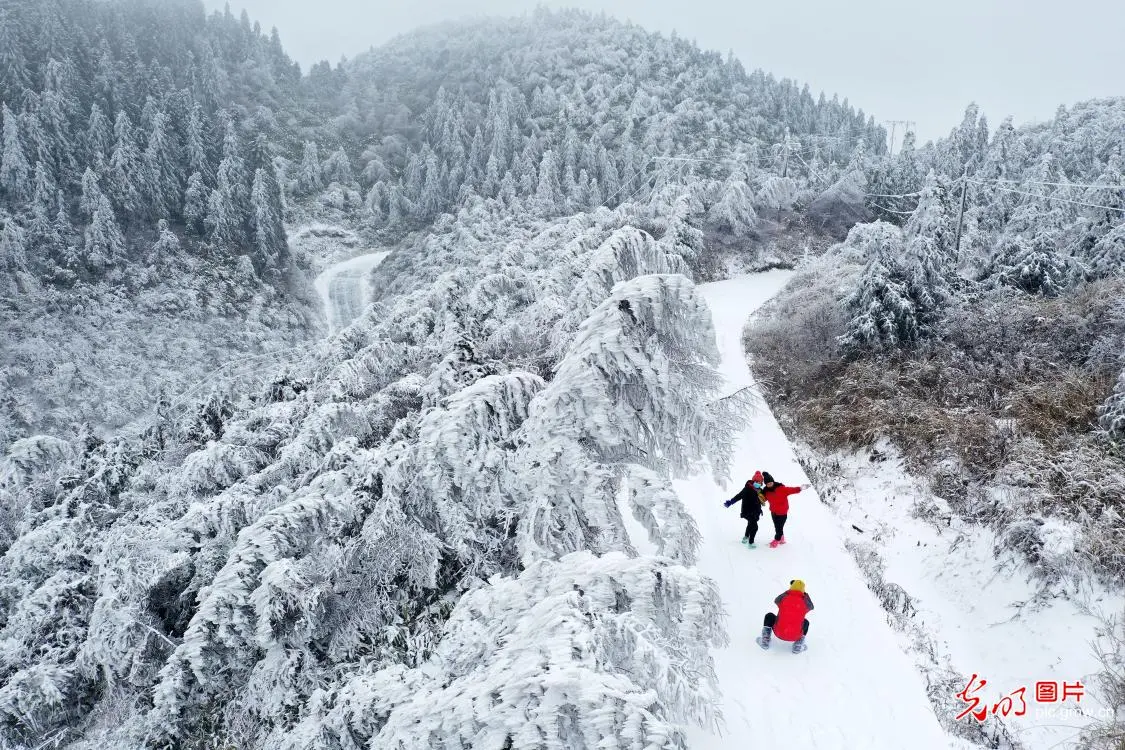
x,y
343,288
984,618
854,687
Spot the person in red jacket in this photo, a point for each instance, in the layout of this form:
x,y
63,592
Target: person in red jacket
x,y
777,495
790,623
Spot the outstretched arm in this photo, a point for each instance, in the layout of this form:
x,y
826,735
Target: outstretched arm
x,y
740,496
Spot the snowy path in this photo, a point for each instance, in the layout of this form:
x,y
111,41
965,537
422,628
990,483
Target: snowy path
x,y
343,289
854,687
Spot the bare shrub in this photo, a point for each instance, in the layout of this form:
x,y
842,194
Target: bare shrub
x,y
1109,733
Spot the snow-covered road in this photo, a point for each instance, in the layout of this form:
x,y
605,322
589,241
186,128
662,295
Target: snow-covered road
x,y
344,290
854,687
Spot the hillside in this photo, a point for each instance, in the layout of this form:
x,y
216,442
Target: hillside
x,y
141,237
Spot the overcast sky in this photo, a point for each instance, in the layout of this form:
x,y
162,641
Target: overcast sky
x,y
897,59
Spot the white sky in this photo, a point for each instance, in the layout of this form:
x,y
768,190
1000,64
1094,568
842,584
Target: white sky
x,y
897,59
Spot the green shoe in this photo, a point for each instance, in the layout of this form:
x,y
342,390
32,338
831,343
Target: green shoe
x,y
751,545
744,540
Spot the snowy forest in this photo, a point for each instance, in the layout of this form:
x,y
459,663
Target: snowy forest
x,y
413,533
987,343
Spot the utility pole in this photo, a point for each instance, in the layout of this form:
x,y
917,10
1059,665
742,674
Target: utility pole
x,y
961,215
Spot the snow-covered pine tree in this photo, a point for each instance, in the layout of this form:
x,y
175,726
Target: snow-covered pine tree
x,y
162,169
889,310
105,245
734,211
1033,266
15,172
641,366
269,235
125,182
548,192
41,227
98,140
569,654
195,207
309,176
197,143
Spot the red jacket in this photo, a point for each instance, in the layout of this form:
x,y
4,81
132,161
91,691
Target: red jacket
x,y
792,606
778,498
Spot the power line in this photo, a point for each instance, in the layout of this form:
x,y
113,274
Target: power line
x,y
1057,184
1046,197
884,195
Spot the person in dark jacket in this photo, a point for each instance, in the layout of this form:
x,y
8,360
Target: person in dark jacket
x,y
777,495
789,623
752,503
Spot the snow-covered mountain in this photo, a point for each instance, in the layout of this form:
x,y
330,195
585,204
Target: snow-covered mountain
x,y
486,510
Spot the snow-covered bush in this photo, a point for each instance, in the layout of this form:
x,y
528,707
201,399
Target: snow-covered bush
x,y
571,653
1111,415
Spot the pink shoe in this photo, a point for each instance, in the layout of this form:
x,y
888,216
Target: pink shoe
x,y
783,540
774,544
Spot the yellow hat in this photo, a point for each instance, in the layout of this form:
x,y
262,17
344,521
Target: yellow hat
x,y
797,585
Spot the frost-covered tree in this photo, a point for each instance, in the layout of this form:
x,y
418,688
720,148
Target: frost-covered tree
x,y
1033,266
338,168
15,172
105,245
606,623
548,192
1111,415
734,211
309,176
197,143
125,183
891,308
269,234
161,169
195,204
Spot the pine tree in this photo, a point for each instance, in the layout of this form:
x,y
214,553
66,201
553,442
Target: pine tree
x,y
98,140
339,168
167,246
14,75
734,211
15,172
91,194
889,310
126,174
105,245
161,169
1033,266
197,143
224,225
548,193
269,234
13,254
195,205
309,175
41,228
233,181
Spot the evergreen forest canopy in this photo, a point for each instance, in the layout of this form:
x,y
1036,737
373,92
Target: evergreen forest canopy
x,y
423,510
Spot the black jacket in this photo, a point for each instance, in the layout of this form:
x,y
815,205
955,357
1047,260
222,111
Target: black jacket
x,y
751,502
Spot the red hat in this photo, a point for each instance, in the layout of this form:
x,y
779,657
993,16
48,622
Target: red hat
x,y
757,477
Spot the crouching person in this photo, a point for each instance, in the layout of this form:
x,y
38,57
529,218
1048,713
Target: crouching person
x,y
789,623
